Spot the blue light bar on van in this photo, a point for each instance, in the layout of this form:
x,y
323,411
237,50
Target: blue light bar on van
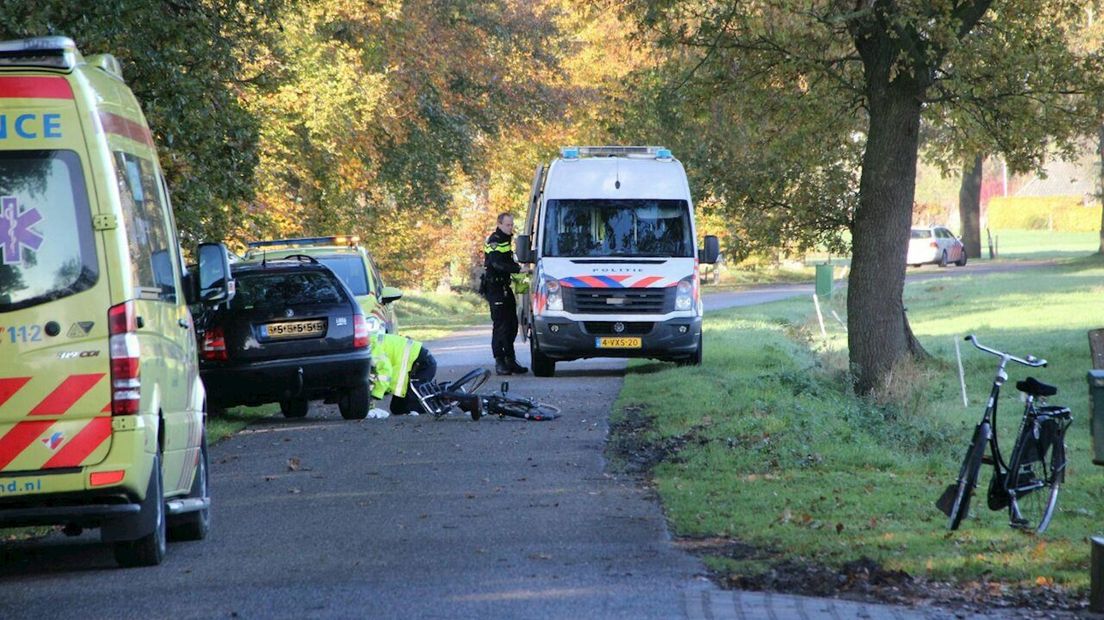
x,y
301,242
636,152
51,52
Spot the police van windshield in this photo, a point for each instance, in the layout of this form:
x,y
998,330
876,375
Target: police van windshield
x,y
351,271
628,227
47,249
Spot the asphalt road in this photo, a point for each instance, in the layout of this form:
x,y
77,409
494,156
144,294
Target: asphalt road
x,y
406,518
398,518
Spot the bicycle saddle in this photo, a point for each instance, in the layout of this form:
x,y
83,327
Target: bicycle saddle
x,y
1033,386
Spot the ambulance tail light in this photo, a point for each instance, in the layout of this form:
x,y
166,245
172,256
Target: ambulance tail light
x,y
360,332
126,386
214,345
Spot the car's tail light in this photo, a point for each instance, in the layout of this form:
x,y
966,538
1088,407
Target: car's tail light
x,y
126,386
360,331
933,244
214,345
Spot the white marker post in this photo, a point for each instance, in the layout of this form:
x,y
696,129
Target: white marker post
x,y
820,317
842,324
961,375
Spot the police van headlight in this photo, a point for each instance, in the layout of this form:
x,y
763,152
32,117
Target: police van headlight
x,y
684,295
554,291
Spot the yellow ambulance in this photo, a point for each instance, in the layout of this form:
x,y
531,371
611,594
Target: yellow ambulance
x,y
101,406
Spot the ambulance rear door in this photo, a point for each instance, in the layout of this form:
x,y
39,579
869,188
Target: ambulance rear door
x,y
55,407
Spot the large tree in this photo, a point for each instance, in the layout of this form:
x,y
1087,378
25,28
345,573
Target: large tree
x,y
858,76
184,62
389,115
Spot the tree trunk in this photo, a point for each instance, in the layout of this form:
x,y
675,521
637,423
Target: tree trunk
x,y
1100,186
878,334
969,207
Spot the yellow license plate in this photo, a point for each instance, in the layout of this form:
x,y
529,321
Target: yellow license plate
x,y
617,343
293,329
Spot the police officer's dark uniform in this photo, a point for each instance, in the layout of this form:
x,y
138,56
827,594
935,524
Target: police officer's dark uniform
x,y
499,263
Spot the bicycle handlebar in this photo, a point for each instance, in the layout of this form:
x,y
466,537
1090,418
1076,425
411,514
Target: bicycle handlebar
x,y
1030,360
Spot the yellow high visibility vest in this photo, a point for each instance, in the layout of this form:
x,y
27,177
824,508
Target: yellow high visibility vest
x,y
393,357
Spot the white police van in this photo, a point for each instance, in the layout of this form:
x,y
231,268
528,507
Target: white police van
x,y
610,232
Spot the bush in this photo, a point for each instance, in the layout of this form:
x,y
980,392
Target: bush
x,y
1057,213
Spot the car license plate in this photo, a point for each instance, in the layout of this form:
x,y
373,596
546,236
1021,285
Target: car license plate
x,y
617,343
293,329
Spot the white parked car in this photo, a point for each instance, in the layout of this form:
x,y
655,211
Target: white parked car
x,y
935,244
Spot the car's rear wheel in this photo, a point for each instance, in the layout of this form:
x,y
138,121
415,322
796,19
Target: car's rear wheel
x,y
148,550
354,403
943,259
294,407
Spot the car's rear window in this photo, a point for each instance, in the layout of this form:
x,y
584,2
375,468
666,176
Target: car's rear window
x,y
351,271
255,290
47,250
921,234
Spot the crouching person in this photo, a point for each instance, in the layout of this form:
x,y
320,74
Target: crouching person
x,y
398,361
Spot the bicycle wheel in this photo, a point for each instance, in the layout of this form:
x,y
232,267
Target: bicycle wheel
x,y
469,382
524,409
960,493
1035,476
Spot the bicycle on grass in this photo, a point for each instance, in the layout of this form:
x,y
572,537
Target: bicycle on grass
x,y
1027,485
439,399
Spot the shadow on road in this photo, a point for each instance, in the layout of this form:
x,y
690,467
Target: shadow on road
x,y
588,372
54,555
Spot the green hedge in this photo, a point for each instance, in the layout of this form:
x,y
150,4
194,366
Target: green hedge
x,y
1058,213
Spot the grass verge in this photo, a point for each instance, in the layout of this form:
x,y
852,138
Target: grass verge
x,y
765,449
427,316
222,426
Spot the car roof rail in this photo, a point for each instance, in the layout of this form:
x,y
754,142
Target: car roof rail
x,y
302,258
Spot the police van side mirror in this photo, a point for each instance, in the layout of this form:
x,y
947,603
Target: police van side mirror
x,y
215,284
711,252
521,248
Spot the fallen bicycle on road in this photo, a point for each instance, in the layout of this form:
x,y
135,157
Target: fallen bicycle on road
x,y
440,399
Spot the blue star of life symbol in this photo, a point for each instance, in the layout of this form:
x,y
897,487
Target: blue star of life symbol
x,y
15,230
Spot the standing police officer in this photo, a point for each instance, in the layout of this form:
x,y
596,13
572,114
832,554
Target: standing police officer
x,y
499,263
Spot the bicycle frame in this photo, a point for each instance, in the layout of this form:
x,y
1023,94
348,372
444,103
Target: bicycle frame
x,y
988,422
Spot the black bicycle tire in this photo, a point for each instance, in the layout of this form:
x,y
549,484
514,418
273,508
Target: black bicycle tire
x,y
968,477
526,410
470,382
1052,485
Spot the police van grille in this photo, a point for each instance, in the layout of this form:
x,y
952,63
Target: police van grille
x,y
620,300
627,329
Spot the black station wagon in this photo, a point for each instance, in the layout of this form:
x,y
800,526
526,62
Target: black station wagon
x,y
292,333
